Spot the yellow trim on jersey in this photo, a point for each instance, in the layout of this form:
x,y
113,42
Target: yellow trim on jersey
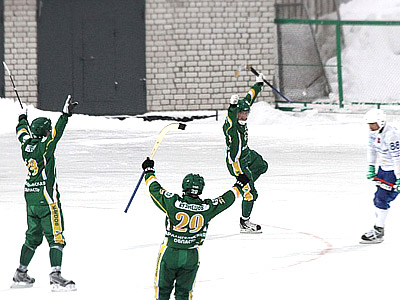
x,y
157,275
21,131
236,168
56,223
158,203
151,179
252,94
236,191
230,124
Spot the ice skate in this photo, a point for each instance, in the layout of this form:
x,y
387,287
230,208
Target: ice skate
x,y
375,236
247,227
21,279
60,284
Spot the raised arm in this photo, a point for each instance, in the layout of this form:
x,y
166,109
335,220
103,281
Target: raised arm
x,y
157,193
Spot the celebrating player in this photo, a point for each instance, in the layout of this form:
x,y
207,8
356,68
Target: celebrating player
x,y
240,159
44,213
187,219
384,151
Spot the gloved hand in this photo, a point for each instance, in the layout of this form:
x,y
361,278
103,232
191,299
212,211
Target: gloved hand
x,y
241,180
371,172
397,185
260,79
69,106
234,99
148,165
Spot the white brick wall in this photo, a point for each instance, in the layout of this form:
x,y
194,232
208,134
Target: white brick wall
x,y
193,48
20,48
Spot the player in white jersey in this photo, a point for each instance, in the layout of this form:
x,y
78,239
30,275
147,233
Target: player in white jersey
x,y
384,153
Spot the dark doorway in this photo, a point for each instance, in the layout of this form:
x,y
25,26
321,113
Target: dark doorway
x,y
94,49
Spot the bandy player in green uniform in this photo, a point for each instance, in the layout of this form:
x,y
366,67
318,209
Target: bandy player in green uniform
x,y
186,224
44,213
240,159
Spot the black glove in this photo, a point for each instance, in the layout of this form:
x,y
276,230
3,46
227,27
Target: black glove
x,y
22,117
241,181
148,165
69,106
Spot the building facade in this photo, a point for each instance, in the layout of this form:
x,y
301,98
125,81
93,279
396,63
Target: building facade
x,y
193,49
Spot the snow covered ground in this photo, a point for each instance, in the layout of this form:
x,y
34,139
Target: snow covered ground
x,y
314,205
370,58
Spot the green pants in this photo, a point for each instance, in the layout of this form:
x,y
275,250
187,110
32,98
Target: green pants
x,y
45,221
179,267
253,165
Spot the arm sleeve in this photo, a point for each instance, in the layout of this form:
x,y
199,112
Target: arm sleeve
x,y
371,152
56,135
253,93
157,193
23,132
231,133
223,202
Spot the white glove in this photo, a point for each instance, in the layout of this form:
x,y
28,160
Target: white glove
x,y
234,99
69,106
260,78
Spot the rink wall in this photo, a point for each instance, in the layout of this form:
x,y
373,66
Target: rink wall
x,y
193,49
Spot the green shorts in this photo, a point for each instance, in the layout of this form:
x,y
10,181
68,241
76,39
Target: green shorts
x,y
45,221
176,267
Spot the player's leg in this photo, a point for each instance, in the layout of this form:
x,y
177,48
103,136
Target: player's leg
x,y
249,195
165,274
33,238
186,276
257,164
53,226
382,201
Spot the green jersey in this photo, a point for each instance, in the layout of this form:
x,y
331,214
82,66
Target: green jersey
x,y
38,154
236,136
187,218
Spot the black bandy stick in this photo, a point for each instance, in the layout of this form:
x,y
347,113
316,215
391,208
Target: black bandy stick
x,y
12,81
270,85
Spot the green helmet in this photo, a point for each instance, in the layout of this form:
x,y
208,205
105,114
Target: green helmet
x,y
243,106
193,184
40,127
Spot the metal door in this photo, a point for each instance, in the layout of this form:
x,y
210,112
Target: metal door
x,y
94,49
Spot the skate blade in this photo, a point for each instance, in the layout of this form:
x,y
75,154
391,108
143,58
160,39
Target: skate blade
x,y
58,288
377,241
21,285
250,232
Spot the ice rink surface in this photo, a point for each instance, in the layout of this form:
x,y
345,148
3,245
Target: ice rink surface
x,y
314,204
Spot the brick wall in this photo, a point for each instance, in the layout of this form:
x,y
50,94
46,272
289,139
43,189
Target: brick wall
x,y
20,48
193,48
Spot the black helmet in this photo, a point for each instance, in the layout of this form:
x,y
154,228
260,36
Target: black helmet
x,y
40,127
193,184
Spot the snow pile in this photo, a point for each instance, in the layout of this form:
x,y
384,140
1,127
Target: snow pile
x,y
371,59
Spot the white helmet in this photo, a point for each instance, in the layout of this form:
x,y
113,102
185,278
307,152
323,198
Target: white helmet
x,y
376,116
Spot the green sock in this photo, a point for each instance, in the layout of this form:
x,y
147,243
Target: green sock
x,y
56,256
26,255
247,207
